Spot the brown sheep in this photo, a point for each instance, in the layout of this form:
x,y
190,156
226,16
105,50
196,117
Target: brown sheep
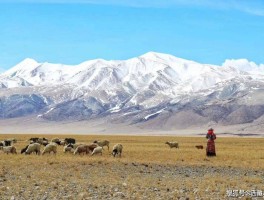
x,y
85,148
91,147
199,146
81,149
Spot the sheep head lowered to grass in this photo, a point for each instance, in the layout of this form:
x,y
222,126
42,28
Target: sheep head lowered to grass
x,y
35,147
117,150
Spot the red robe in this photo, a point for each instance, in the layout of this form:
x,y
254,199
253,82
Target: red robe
x,y
210,149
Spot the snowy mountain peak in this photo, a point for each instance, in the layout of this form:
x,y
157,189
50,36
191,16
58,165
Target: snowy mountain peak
x,y
160,72
28,61
27,64
164,57
153,55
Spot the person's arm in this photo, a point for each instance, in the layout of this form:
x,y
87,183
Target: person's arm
x,y
214,136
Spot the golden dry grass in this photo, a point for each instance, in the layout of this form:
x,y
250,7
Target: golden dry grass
x,y
139,152
235,152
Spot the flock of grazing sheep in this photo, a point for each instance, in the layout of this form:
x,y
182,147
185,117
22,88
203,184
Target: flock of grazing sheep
x,y
69,144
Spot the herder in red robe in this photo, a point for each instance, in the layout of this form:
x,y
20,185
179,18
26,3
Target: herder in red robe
x,y
210,149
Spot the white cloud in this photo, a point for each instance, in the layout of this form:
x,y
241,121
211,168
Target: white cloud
x,y
244,65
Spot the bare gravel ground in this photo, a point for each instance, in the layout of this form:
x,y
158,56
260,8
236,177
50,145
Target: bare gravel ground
x,y
118,180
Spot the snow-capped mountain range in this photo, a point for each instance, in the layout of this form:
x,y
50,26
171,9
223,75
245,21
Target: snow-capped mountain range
x,y
153,90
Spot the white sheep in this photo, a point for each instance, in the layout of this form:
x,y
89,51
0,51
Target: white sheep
x,y
9,149
98,150
117,149
102,143
56,140
42,141
172,144
74,146
35,147
52,147
62,142
68,149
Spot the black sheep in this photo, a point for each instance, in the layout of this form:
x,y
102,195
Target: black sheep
x,y
7,143
70,141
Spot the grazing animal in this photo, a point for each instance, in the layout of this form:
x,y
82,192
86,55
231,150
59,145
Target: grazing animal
x,y
6,143
74,146
91,147
62,142
52,147
33,140
13,140
35,147
9,149
117,150
199,146
56,140
43,141
172,144
68,148
81,149
85,148
97,150
69,141
24,149
102,143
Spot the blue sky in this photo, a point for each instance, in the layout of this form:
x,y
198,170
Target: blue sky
x,y
72,31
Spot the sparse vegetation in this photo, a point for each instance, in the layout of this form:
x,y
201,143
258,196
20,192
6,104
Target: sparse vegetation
x,y
147,169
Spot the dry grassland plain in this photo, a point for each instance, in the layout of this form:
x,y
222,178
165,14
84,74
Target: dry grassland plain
x,y
148,169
